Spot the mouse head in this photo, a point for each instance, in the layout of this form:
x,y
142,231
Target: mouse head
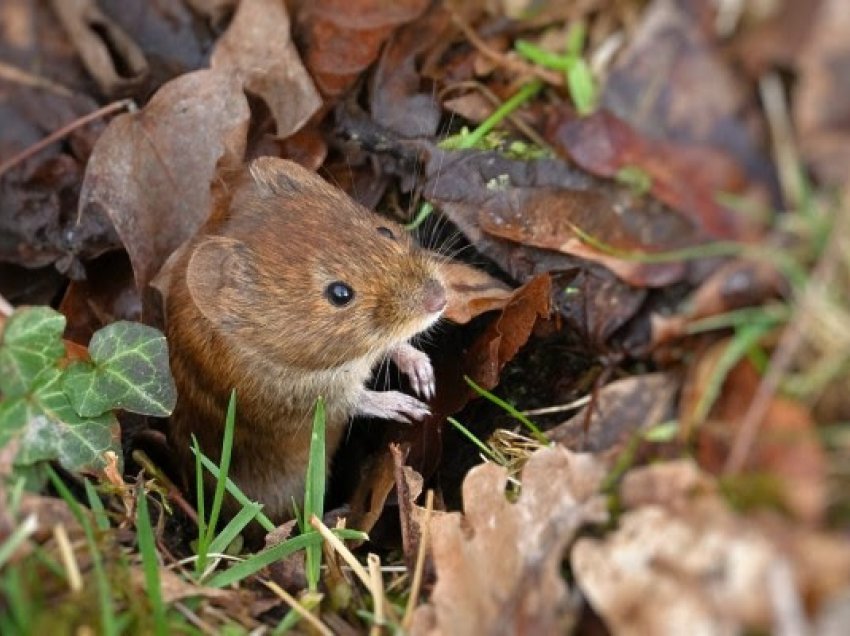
x,y
297,271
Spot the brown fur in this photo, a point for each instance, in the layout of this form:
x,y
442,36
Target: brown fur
x,y
246,309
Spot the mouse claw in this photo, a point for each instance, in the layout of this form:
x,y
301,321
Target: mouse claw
x,y
416,365
392,405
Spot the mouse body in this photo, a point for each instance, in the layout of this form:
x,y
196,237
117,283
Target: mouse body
x,y
291,292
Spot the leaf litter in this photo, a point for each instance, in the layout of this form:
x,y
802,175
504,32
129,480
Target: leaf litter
x,y
649,263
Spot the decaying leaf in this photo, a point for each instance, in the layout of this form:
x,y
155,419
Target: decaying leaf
x,y
498,564
151,171
258,48
683,563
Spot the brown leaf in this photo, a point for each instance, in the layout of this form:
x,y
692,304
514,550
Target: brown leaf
x,y
822,99
547,218
504,337
374,486
498,565
672,84
150,171
685,177
618,411
471,292
396,99
109,54
258,48
708,570
343,37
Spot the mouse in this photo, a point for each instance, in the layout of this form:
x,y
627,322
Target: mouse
x,y
292,291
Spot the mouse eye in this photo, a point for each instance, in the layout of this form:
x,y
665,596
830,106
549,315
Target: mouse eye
x,y
339,293
385,231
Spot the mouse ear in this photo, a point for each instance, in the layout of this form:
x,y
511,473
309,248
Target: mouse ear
x,y
219,276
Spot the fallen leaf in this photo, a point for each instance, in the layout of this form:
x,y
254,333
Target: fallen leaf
x,y
685,177
343,37
499,564
151,171
672,84
471,292
257,47
618,411
396,99
710,571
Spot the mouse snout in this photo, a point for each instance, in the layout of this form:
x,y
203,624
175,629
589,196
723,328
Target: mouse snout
x,y
434,296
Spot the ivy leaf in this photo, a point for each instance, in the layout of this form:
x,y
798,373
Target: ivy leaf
x,y
48,428
31,344
128,370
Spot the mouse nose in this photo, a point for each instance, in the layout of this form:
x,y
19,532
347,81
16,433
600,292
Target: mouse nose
x,y
434,296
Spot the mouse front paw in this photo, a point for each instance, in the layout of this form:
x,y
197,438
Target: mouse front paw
x,y
392,405
416,365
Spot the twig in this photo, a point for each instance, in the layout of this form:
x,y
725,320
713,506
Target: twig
x,y
299,609
416,583
344,552
62,132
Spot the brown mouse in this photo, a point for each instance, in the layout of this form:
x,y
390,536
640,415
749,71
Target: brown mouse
x,y
292,291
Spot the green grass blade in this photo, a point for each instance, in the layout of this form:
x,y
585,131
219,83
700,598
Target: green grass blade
x,y
234,491
150,565
224,467
96,505
107,611
24,530
539,435
314,492
234,527
489,452
201,562
257,562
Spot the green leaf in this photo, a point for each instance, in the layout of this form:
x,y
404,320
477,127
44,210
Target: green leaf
x,y
47,428
31,345
129,370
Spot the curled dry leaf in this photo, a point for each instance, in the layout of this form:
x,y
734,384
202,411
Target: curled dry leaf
x,y
709,571
111,56
257,46
499,564
471,292
504,337
823,96
343,37
150,171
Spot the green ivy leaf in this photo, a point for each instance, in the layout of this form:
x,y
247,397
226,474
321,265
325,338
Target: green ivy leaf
x,y
48,428
128,370
31,344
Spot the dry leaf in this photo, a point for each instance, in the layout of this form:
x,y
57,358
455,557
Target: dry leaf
x,y
258,48
684,563
499,564
151,171
618,411
471,292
